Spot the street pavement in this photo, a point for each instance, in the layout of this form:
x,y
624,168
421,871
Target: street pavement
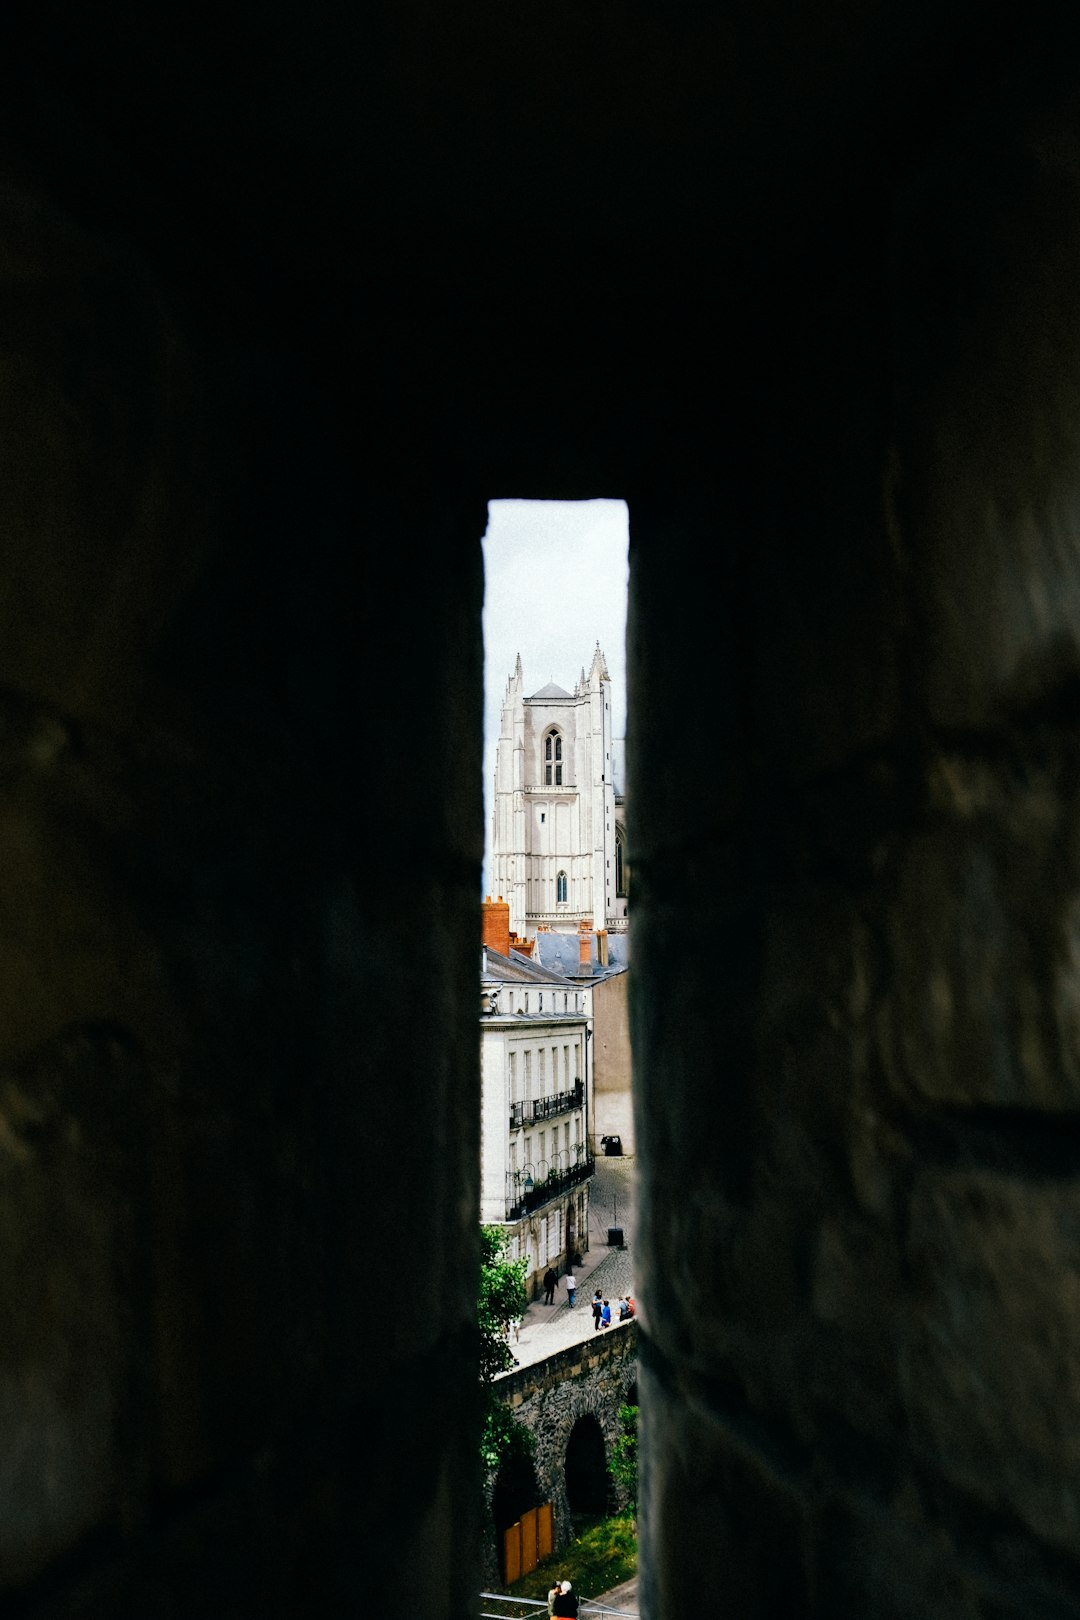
x,y
621,1599
546,1329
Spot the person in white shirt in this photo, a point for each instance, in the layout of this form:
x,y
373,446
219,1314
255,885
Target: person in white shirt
x,y
571,1285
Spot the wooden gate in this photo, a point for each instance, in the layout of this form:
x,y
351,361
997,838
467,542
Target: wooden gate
x,y
528,1541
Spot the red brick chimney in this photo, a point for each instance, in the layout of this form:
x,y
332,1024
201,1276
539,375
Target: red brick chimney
x,y
584,945
496,925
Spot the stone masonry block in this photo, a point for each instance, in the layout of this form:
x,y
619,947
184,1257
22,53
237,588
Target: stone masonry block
x,y
990,1370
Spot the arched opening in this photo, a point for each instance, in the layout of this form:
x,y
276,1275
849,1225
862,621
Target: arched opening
x,y
587,1485
516,1490
622,869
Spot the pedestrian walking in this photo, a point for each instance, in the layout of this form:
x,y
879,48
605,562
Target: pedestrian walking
x,y
597,1307
571,1284
550,1279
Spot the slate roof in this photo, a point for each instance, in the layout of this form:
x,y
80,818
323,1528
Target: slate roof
x,y
560,954
550,691
518,969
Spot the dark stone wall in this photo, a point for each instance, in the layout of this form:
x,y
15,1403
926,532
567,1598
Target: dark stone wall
x,y
221,1117
858,1218
283,302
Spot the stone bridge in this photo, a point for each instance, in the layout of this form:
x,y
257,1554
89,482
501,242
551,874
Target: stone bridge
x,y
570,1405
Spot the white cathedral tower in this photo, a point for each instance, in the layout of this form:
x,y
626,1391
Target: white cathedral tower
x,y
558,835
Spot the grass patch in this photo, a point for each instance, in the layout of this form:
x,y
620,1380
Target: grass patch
x,y
602,1554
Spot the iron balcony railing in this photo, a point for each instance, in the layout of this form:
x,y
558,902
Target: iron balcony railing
x,y
563,1102
526,1191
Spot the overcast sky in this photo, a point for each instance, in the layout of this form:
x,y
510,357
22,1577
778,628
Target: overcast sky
x,y
555,584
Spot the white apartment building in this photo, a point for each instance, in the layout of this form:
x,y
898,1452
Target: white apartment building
x,y
535,1157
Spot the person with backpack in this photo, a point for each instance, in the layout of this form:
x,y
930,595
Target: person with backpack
x,y
605,1314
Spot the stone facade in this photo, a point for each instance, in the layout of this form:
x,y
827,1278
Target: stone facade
x,y
558,846
535,1160
612,1104
590,1379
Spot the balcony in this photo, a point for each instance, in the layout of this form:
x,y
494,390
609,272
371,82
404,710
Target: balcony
x,y
563,1102
527,1190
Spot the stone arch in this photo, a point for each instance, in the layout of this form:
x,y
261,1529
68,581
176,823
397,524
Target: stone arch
x,y
551,1415
513,1490
588,1490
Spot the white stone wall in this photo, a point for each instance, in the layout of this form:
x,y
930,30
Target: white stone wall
x,y
541,829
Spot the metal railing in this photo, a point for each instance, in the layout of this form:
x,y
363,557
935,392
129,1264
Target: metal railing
x,y
524,1192
563,1102
515,1608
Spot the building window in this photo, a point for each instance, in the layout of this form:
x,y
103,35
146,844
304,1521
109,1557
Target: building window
x,y
553,759
513,1077
541,1071
543,1147
528,1076
560,889
543,1259
620,868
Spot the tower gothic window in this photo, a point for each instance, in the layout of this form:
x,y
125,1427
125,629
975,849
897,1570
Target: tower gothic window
x,y
553,759
560,889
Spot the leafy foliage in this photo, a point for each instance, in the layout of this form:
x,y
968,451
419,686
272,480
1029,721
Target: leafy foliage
x,y
624,1456
502,1300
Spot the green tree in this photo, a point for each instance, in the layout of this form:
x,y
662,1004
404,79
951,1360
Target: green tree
x,y
623,1466
502,1300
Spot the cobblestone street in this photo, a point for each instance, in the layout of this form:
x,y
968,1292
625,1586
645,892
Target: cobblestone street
x,y
548,1328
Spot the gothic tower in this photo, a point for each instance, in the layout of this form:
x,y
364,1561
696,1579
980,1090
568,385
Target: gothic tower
x,y
558,832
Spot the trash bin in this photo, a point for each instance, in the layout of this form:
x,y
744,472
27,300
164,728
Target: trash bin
x,y
614,1237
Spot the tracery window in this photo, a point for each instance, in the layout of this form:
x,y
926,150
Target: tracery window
x,y
553,759
620,867
560,889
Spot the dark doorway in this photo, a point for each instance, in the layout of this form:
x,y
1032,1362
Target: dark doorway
x,y
586,1470
516,1490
